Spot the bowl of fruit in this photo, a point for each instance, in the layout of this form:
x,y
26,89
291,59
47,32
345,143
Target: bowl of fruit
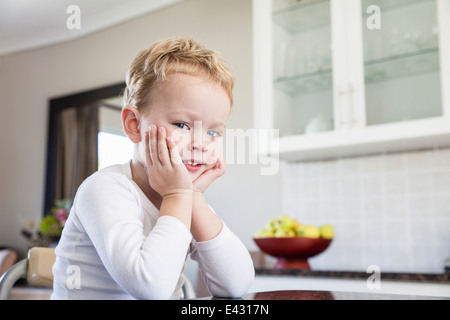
x,y
293,243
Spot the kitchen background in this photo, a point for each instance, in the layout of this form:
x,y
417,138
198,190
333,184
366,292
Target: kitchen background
x,y
389,206
359,91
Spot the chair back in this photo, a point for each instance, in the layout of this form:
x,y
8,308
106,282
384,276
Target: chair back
x,y
40,264
37,269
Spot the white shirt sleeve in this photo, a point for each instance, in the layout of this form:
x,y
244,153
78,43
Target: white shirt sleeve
x,y
145,266
225,264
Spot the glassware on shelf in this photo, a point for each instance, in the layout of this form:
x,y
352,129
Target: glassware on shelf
x,y
318,124
402,73
418,40
302,64
303,15
395,43
433,40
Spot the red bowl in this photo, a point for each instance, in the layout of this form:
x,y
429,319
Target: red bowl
x,y
292,253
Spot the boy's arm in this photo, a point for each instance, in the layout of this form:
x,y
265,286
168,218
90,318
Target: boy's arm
x,y
205,225
225,264
224,261
109,212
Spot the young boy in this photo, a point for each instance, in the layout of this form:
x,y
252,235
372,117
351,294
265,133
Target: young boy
x,y
132,226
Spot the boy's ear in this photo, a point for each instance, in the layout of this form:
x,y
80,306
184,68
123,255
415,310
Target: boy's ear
x,y
130,123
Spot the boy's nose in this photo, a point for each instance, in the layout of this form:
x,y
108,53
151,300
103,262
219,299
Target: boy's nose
x,y
199,143
199,138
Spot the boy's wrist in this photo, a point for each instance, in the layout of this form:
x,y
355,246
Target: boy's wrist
x,y
178,205
205,225
198,202
197,195
184,193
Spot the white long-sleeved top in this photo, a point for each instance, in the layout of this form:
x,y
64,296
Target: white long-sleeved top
x,y
115,246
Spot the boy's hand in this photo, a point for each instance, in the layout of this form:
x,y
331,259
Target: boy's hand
x,y
206,178
205,225
166,173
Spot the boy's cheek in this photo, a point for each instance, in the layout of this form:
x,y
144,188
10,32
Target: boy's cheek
x,y
215,152
181,139
211,158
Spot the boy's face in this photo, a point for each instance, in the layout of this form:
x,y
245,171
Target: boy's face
x,y
194,112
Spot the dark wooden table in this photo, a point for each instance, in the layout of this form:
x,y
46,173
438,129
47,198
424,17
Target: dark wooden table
x,y
325,295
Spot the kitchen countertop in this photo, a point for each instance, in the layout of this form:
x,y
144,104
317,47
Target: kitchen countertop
x,y
322,295
443,278
265,266
331,295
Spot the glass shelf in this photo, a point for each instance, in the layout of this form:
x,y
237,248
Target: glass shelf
x,y
307,15
393,67
404,65
387,5
306,83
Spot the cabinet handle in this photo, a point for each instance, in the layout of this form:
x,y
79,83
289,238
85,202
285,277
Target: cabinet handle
x,y
347,111
351,100
343,108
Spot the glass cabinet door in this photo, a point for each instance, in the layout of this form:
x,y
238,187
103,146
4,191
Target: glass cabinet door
x,y
302,67
401,61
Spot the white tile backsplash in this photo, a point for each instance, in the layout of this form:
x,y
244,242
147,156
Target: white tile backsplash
x,y
391,210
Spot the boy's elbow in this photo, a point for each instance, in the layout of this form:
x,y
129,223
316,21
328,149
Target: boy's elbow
x,y
238,287
244,285
238,291
155,293
150,288
241,286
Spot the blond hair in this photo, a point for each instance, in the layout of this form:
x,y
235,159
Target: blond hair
x,y
174,55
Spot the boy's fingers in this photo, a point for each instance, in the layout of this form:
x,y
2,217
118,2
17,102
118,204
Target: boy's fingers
x,y
148,157
153,145
163,150
220,159
222,164
174,152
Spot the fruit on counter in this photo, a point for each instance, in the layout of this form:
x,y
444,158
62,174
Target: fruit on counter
x,y
287,227
309,231
283,222
264,233
284,233
326,231
297,226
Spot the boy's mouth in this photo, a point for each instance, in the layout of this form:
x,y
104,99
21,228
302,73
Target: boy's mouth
x,y
193,165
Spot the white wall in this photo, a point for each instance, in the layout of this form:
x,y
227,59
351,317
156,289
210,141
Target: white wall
x,y
243,198
389,210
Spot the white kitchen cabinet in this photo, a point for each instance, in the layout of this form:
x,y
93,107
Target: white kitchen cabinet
x,y
337,79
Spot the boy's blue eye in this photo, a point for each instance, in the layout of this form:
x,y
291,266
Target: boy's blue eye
x,y
182,126
213,133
